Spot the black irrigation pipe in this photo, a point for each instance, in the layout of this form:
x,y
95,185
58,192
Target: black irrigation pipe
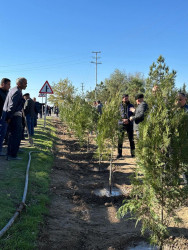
x,y
22,204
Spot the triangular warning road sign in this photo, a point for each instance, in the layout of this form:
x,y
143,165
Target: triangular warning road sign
x,y
46,89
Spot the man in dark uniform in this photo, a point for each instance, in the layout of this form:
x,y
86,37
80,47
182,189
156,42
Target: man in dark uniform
x,y
12,114
125,125
4,88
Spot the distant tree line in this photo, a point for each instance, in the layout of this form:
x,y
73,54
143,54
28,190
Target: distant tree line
x,y
118,83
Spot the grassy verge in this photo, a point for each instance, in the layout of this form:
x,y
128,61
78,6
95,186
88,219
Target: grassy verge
x,y
24,232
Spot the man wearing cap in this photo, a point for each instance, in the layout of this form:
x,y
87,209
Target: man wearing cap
x,y
139,112
125,125
12,114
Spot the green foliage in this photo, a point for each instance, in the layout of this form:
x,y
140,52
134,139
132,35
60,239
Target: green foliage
x,y
107,127
183,89
103,92
118,83
63,91
80,116
161,157
159,75
136,84
24,232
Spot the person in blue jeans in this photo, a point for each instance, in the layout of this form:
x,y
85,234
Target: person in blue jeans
x,y
29,111
4,88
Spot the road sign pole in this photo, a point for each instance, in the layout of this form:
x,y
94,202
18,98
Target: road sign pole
x,y
46,89
42,108
45,111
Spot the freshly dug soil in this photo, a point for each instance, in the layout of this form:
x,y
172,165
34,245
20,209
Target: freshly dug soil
x,y
80,219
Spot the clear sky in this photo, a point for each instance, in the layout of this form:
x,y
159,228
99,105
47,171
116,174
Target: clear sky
x,y
53,39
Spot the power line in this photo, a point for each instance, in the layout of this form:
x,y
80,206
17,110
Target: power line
x,y
44,67
96,62
46,60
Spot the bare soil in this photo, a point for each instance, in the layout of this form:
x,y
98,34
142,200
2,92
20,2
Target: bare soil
x,y
78,218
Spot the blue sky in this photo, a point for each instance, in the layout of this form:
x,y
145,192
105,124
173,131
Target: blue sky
x,y
53,39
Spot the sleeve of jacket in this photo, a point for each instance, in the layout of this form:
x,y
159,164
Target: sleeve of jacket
x,y
139,116
121,114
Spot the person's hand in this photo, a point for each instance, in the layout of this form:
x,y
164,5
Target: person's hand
x,y
131,118
125,121
8,121
132,109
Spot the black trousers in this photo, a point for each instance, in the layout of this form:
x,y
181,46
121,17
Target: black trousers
x,y
15,135
129,129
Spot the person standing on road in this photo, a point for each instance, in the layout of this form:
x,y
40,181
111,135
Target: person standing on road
x,y
29,111
37,104
125,125
4,88
99,107
57,111
139,112
12,114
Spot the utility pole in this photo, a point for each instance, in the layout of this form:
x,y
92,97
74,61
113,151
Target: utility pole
x,y
96,62
82,84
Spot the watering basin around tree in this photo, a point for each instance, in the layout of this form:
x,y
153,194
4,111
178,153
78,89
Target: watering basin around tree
x,y
142,245
106,192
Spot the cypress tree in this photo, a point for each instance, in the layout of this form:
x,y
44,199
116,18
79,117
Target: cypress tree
x,y
161,156
107,132
81,117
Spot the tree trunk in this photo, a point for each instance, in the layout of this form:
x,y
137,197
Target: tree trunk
x,y
87,142
110,174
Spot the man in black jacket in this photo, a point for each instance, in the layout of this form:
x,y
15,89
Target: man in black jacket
x,y
37,110
125,125
139,112
29,111
4,88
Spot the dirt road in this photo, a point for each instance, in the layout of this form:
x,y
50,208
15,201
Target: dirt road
x,y
79,219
